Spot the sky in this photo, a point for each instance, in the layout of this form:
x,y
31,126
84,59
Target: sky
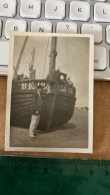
x,y
72,59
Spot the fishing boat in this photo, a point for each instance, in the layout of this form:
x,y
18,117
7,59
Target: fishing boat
x,y
57,94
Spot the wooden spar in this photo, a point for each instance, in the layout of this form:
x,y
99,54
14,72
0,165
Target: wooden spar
x,y
52,56
20,56
32,72
33,57
52,64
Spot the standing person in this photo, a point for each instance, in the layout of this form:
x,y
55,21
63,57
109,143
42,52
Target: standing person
x,y
36,114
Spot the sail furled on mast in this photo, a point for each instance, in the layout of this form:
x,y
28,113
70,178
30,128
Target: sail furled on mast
x,y
53,54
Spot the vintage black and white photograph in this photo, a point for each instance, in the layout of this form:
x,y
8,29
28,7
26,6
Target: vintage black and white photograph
x,y
50,93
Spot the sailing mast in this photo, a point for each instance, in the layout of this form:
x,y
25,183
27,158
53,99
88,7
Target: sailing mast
x,y
52,56
32,71
52,64
20,56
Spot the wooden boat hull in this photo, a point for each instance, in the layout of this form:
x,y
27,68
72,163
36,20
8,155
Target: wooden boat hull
x,y
22,107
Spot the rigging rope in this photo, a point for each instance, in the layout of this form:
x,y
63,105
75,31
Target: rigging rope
x,y
27,64
18,63
20,56
45,58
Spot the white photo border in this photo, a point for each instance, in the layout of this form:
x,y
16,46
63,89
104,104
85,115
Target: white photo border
x,y
91,90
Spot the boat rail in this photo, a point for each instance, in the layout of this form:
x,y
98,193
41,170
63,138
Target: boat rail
x,y
44,86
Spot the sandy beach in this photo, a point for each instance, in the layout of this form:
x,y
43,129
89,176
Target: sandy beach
x,y
73,134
